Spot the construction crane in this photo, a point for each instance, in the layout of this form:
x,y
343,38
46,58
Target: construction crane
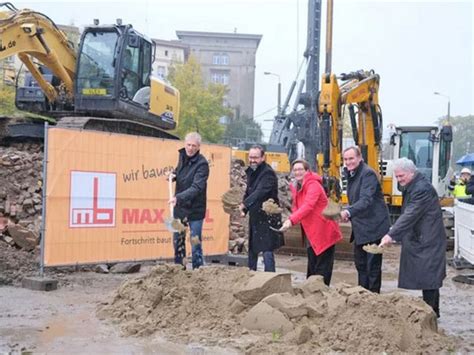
x,y
298,130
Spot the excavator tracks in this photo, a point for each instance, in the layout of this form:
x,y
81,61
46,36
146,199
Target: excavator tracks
x,y
113,126
15,130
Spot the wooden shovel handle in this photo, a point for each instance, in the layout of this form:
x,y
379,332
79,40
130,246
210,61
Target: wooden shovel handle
x,y
170,193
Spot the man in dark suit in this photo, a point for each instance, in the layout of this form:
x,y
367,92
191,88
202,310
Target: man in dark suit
x,y
368,214
262,184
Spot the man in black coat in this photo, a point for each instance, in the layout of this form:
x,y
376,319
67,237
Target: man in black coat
x,y
369,217
421,231
262,184
189,202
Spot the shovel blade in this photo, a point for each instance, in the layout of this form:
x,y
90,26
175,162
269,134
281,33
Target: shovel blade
x,y
169,225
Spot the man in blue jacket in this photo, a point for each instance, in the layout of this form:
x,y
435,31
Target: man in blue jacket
x,y
189,202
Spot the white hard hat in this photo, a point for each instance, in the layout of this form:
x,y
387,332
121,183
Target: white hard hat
x,y
465,171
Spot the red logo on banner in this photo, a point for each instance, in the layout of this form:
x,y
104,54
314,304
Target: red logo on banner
x,y
92,199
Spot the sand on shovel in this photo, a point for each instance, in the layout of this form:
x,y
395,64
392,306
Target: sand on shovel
x,y
373,249
173,224
232,199
177,225
332,210
270,207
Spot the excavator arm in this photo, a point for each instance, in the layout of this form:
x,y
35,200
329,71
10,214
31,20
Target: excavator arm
x,y
358,90
31,35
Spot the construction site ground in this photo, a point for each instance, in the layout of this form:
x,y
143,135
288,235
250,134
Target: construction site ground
x,y
65,320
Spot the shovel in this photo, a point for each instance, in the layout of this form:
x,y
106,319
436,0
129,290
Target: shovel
x,y
279,230
175,225
373,249
171,223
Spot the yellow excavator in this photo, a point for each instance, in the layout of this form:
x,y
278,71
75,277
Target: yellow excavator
x,y
429,147
358,93
106,84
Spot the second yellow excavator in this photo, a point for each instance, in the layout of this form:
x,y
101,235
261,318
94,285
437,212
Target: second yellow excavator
x,y
358,93
107,84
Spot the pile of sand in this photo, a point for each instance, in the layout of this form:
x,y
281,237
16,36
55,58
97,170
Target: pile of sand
x,y
263,312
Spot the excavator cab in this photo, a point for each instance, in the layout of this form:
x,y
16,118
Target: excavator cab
x,y
429,147
114,78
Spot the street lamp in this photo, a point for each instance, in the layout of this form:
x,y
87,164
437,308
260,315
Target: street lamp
x,y
449,104
279,90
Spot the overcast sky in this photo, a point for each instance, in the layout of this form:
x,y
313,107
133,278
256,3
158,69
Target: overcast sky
x,y
416,47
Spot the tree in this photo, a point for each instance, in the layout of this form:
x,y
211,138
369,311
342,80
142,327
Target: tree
x,y
463,137
243,129
201,105
7,100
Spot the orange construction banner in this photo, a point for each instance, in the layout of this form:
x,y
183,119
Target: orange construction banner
x,y
107,198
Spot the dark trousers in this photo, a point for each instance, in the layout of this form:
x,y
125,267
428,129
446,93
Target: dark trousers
x,y
321,264
369,268
268,261
431,297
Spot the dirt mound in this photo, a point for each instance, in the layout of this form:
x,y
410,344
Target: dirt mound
x,y
16,264
210,306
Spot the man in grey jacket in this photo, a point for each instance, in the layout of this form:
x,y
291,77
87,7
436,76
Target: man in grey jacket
x,y
421,231
369,217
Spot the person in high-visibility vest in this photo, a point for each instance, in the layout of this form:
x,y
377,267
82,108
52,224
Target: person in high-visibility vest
x,y
458,188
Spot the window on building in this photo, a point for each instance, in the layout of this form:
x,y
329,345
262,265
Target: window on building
x,y
166,53
219,77
161,71
220,59
225,101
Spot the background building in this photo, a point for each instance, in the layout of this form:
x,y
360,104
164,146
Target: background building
x,y
167,53
229,59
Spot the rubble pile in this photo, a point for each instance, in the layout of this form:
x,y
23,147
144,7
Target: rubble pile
x,y
238,237
238,231
16,263
20,210
284,194
257,312
21,168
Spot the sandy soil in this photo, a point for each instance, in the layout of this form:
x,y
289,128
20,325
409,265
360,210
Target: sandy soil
x,y
66,320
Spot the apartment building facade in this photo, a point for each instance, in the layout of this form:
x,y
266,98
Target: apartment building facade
x,y
228,59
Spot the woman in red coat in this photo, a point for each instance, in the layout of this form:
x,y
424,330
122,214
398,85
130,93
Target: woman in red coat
x,y
309,200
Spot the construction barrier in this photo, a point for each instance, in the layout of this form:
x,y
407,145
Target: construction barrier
x,y
464,231
106,198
